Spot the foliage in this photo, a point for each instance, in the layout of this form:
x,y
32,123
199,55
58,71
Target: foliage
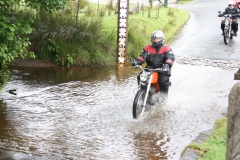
x,y
4,72
151,3
15,25
109,6
59,39
90,12
136,41
47,5
215,146
89,41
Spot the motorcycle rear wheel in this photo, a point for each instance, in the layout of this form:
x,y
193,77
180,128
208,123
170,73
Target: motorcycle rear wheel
x,y
138,103
226,36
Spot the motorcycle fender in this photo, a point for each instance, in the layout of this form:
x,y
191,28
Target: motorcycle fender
x,y
154,78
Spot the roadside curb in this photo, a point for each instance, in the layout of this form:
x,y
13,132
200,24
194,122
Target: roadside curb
x,y
191,154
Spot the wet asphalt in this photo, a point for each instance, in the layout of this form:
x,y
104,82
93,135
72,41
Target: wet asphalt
x,y
201,36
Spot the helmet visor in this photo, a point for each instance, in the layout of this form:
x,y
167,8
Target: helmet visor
x,y
157,39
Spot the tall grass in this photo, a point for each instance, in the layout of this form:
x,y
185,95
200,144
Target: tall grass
x,y
60,39
92,40
136,41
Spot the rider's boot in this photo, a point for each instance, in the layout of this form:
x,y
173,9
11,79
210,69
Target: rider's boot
x,y
222,32
235,34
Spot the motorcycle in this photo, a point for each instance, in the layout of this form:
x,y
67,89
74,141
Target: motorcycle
x,y
227,32
148,90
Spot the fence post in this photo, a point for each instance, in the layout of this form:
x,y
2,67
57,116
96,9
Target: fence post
x,y
165,3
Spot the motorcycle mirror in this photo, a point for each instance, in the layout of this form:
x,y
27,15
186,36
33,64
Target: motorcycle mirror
x,y
219,11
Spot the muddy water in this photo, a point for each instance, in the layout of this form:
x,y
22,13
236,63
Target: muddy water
x,y
85,113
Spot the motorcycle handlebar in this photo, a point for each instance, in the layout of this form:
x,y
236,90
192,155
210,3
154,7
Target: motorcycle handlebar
x,y
230,15
157,70
161,70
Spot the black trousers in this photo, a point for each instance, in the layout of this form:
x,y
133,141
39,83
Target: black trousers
x,y
234,26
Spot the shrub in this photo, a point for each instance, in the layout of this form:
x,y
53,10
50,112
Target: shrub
x,y
62,40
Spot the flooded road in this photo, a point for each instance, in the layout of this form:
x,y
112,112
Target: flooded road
x,y
86,113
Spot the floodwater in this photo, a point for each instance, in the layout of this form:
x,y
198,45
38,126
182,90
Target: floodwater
x,y
86,113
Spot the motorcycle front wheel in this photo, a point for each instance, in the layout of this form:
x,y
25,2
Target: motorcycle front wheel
x,y
226,36
138,103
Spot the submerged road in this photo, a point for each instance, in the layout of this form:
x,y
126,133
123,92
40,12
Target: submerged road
x,y
91,118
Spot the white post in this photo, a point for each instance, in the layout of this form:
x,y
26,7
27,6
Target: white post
x,y
122,38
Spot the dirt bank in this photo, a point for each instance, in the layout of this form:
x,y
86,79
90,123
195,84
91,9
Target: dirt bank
x,y
31,62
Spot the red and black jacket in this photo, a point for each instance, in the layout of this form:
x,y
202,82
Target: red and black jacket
x,y
155,58
233,11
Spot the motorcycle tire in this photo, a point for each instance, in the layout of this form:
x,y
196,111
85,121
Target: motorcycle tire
x,y
226,36
138,103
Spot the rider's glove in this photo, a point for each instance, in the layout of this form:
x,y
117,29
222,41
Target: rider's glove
x,y
166,68
136,62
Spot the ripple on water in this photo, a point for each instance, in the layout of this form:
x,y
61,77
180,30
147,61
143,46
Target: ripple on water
x,y
94,119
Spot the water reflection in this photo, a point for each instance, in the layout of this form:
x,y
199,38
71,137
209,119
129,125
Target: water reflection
x,y
4,124
148,145
59,110
57,75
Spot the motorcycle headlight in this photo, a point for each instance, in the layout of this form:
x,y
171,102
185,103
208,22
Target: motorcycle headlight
x,y
143,77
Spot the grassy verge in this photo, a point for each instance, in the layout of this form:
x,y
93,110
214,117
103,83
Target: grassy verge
x,y
214,147
91,39
184,1
169,20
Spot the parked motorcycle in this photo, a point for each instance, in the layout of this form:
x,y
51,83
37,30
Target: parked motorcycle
x,y
227,32
148,90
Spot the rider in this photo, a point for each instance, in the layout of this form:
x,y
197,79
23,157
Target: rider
x,y
158,55
231,10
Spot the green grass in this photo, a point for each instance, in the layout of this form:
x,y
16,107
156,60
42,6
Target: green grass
x,y
170,21
214,147
91,40
184,1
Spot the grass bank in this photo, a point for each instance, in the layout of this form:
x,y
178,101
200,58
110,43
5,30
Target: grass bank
x,y
214,147
91,40
184,1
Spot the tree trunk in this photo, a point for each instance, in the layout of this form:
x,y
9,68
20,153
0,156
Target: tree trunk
x,y
78,7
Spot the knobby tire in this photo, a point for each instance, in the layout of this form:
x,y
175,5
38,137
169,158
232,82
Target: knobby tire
x,y
225,36
138,103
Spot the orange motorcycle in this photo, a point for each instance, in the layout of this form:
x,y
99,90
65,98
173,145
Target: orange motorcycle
x,y
148,90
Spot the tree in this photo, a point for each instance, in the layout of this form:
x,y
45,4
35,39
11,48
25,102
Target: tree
x,y
151,3
14,28
48,5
